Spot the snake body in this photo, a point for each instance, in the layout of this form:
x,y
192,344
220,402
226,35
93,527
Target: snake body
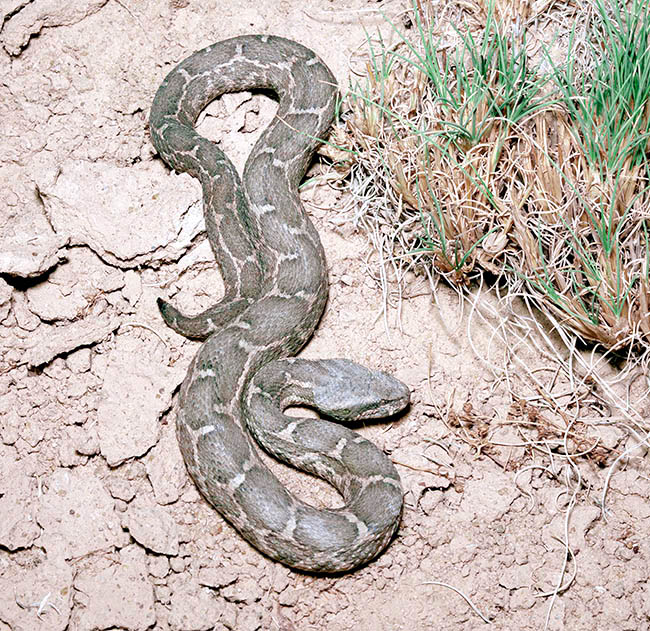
x,y
273,265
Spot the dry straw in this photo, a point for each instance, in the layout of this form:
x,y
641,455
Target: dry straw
x,y
491,165
470,161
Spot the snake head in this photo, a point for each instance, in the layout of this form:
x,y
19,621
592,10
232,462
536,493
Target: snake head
x,y
352,392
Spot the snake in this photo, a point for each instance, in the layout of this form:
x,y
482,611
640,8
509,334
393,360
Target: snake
x,y
245,374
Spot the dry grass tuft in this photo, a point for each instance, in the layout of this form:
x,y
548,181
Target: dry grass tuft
x,y
467,159
486,164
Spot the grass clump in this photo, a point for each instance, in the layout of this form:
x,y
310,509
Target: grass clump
x,y
584,240
437,123
470,159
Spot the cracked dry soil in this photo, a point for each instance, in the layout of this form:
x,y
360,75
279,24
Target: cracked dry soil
x,y
100,526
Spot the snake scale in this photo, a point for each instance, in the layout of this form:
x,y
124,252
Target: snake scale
x,y
244,375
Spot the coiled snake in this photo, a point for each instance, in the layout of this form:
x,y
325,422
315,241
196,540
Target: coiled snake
x,y
274,271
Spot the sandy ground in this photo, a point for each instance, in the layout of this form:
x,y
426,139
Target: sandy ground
x,y
100,526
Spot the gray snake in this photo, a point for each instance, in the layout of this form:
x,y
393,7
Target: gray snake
x,y
273,266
